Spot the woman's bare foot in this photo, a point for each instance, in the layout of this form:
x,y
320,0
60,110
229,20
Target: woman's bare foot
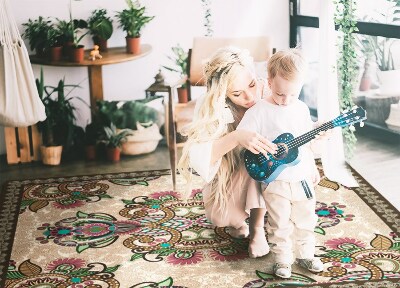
x,y
241,232
258,245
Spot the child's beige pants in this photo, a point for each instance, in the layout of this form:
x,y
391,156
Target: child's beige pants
x,y
291,217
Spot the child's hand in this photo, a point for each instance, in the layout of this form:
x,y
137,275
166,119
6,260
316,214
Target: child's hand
x,y
255,143
323,135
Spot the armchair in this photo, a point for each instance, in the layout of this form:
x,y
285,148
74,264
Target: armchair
x,y
203,48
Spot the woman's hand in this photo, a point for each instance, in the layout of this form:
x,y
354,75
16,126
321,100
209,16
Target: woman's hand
x,y
316,177
255,143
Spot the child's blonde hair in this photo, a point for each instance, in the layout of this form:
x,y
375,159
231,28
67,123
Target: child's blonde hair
x,y
289,64
211,124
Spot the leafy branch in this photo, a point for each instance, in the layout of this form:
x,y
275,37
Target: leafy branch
x,y
347,64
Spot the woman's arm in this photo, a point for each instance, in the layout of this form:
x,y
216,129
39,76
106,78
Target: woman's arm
x,y
248,139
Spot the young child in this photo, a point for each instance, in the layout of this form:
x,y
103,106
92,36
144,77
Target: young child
x,y
290,198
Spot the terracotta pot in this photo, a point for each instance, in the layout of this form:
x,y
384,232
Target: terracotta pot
x,y
182,95
77,54
102,43
51,155
365,84
133,45
113,154
90,152
66,50
55,53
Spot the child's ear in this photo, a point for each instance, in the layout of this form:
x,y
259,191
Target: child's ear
x,y
269,83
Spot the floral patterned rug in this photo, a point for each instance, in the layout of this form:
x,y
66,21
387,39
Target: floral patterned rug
x,y
131,230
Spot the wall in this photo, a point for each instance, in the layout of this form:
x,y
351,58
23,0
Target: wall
x,y
176,21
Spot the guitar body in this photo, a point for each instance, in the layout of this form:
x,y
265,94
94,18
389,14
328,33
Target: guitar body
x,y
263,170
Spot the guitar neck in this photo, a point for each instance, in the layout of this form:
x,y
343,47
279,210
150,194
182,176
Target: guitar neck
x,y
307,137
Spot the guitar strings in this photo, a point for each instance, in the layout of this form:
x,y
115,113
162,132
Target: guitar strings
x,y
294,142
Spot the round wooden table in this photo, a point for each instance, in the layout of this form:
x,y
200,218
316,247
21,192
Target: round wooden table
x,y
112,56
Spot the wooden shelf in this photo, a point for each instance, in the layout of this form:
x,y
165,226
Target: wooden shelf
x,y
114,55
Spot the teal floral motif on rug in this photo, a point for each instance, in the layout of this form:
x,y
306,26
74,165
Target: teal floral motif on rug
x,y
132,230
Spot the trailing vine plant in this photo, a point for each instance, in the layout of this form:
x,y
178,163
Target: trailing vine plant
x,y
207,17
347,65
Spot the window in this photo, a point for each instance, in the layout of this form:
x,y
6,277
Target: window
x,y
378,23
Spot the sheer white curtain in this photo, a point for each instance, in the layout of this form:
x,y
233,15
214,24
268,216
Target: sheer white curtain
x,y
333,159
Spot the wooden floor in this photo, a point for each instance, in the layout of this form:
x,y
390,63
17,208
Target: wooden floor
x,y
377,161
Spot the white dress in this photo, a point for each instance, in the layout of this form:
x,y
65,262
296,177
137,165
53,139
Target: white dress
x,y
246,192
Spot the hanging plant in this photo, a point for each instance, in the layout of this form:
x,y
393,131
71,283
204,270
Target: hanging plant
x,y
347,65
207,17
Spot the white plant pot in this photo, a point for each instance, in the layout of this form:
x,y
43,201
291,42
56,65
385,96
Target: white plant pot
x,y
390,82
142,141
393,121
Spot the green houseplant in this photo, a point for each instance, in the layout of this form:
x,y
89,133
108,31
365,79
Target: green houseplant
x,y
179,60
71,39
100,27
54,43
58,128
114,140
141,120
36,32
132,21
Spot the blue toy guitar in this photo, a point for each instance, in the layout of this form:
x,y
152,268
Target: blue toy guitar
x,y
263,170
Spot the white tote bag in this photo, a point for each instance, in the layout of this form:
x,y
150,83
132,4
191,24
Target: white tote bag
x,y
20,104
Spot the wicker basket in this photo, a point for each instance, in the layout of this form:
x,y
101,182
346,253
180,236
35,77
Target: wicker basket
x,y
144,140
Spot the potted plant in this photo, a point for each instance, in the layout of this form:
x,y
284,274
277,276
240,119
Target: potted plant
x,y
77,50
58,128
70,39
100,26
90,140
141,120
54,43
132,20
179,59
36,32
67,36
388,75
114,140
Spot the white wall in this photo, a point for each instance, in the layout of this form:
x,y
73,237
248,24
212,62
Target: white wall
x,y
176,21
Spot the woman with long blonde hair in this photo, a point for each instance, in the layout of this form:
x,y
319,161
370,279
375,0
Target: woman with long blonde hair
x,y
213,147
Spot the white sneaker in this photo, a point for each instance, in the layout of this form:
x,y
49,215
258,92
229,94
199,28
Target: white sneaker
x,y
313,264
282,270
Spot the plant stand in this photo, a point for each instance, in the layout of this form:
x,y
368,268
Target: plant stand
x,y
22,144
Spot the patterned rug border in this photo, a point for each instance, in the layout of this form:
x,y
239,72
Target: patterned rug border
x,y
10,200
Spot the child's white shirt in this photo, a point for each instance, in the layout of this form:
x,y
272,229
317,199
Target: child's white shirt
x,y
272,120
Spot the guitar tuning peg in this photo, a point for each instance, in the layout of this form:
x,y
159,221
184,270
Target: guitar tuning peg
x,y
361,124
345,111
354,107
351,127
